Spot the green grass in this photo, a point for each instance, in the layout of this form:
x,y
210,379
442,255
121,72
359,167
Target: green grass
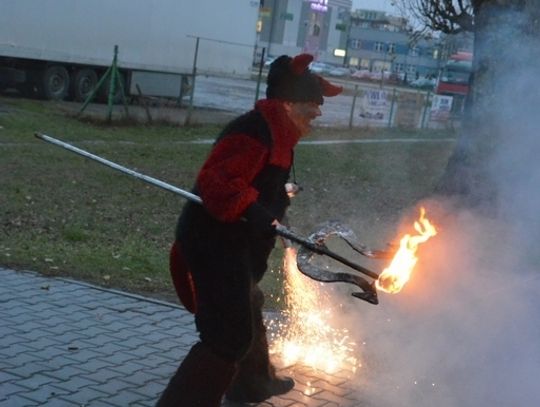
x,y
64,215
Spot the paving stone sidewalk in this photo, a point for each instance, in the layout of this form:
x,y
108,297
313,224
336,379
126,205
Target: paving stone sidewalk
x,y
65,343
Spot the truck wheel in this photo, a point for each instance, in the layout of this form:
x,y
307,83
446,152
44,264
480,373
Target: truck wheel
x,y
84,82
55,83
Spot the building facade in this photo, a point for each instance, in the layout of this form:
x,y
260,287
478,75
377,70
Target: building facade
x,y
295,26
378,42
363,39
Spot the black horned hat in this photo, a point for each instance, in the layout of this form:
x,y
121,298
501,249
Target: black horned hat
x,y
290,79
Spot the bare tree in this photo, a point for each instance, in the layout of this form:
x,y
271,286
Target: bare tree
x,y
446,16
504,93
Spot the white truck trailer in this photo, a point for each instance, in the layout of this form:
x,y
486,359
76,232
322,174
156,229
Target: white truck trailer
x,y
60,48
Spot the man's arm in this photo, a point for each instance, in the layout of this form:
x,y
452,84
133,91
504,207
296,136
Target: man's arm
x,y
224,182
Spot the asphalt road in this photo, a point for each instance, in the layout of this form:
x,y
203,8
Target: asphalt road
x,y
238,95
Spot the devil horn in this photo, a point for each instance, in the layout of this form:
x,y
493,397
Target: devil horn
x,y
300,63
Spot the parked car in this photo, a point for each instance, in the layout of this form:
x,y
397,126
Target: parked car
x,y
320,67
373,76
363,74
268,61
423,83
340,71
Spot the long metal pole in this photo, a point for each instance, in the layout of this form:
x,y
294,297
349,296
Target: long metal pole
x,y
112,85
145,178
280,229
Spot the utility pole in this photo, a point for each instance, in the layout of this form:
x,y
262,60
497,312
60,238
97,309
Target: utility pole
x,y
347,40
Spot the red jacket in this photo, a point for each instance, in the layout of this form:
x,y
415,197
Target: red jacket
x,y
226,182
244,176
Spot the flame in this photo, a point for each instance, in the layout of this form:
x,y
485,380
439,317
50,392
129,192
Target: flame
x,y
308,334
395,276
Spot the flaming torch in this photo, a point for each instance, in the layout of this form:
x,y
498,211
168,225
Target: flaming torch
x,y
396,275
309,334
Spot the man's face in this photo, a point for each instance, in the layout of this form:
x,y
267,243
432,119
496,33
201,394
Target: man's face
x,y
301,114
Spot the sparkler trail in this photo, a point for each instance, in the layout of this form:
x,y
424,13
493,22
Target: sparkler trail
x,y
308,334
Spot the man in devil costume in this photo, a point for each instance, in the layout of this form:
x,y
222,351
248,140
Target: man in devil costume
x,y
221,248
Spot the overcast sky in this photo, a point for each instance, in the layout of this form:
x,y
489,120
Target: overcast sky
x,y
384,5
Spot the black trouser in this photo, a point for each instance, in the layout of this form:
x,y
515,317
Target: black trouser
x,y
200,381
230,325
256,361
229,303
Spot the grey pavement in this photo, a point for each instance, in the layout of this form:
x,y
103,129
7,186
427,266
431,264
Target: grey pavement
x,y
66,343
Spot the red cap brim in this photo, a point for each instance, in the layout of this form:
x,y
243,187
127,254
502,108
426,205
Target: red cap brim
x,y
329,89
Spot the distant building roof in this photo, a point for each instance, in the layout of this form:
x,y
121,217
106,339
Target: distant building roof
x,y
379,20
340,3
372,15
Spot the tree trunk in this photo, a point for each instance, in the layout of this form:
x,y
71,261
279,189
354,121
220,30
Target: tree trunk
x,y
502,112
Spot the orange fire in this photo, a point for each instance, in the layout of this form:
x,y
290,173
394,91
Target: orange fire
x,y
308,333
395,276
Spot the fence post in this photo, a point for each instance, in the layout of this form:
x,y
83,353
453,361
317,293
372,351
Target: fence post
x,y
392,108
96,89
113,76
352,107
259,75
112,84
193,73
423,123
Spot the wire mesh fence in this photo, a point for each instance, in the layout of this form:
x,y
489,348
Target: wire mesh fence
x,y
363,103
360,104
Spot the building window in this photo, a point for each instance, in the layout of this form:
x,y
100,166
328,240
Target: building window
x,y
414,51
391,48
353,61
380,66
379,47
355,43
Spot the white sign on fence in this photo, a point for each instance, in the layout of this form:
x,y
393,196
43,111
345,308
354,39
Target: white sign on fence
x,y
374,109
441,106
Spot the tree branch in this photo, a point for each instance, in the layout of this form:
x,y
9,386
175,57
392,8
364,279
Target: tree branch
x,y
448,16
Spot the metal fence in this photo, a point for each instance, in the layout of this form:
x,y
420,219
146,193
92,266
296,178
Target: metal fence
x,y
235,84
360,104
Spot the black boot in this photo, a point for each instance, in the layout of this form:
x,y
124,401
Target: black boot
x,y
258,388
256,379
201,380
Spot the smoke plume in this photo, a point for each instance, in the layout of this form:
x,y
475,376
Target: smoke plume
x,y
465,331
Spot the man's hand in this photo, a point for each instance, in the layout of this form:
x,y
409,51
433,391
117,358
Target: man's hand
x,y
292,189
261,222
